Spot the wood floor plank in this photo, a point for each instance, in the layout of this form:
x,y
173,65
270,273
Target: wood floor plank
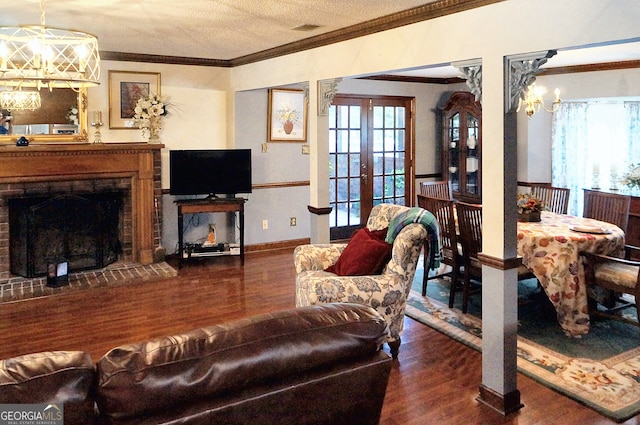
x,y
434,381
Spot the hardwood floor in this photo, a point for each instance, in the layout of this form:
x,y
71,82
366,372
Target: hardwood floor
x,y
434,381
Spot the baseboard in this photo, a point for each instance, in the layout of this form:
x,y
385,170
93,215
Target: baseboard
x,y
268,246
505,404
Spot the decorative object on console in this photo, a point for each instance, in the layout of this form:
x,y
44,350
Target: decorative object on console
x,y
125,88
97,123
529,207
63,58
148,114
632,177
287,120
57,272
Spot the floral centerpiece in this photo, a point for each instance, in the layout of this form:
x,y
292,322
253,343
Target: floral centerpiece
x,y
529,207
632,178
288,116
148,115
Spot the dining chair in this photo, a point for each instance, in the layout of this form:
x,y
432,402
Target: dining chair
x,y
609,207
438,189
444,211
555,199
618,276
470,236
470,232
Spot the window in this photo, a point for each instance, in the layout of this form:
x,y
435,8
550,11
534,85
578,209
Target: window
x,y
593,144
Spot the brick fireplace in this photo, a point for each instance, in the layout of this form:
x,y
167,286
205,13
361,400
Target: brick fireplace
x,y
61,169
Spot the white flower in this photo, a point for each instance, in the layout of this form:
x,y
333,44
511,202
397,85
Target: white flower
x,y
149,107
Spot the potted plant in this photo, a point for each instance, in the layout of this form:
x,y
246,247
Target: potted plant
x,y
529,207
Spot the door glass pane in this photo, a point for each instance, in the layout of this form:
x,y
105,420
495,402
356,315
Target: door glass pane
x,y
343,165
378,188
354,141
355,166
389,116
354,118
400,116
378,140
332,141
332,165
343,190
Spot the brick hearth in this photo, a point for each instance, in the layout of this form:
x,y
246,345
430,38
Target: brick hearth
x,y
20,288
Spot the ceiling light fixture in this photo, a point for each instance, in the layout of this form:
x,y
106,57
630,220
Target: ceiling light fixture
x,y
39,56
14,100
534,101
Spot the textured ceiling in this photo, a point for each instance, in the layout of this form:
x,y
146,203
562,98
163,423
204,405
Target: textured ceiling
x,y
211,29
228,29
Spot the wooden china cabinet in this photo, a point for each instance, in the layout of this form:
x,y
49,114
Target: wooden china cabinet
x,y
461,130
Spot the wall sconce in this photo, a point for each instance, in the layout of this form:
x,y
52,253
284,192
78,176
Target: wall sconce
x,y
533,100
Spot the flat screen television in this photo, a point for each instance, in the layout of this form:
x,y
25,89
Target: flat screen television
x,y
210,172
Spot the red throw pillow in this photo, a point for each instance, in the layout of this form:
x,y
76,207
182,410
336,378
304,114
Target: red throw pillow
x,y
366,253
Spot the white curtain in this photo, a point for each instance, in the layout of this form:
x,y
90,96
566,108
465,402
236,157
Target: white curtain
x,y
593,146
569,158
632,110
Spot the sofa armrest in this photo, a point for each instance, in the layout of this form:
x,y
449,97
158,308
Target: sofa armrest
x,y
316,256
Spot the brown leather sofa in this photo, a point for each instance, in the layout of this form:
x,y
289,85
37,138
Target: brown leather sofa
x,y
312,365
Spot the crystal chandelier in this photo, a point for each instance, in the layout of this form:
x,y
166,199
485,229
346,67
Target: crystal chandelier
x,y
533,100
14,100
39,56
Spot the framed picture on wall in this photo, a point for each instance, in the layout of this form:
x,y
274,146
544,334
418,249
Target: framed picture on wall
x,y
287,120
125,88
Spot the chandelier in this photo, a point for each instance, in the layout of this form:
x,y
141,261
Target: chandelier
x,y
533,100
39,56
14,100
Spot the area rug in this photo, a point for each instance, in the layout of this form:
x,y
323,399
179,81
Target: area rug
x,y
600,370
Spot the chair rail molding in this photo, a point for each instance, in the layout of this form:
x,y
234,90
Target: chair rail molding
x,y
522,70
327,90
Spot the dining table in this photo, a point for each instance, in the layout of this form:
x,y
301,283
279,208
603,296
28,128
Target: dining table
x,y
551,249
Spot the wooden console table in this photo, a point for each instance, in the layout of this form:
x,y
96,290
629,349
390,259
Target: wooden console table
x,y
209,205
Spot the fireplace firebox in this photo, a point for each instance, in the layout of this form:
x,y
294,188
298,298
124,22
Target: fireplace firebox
x,y
83,229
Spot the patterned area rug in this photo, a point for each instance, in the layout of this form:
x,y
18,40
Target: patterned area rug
x,y
600,370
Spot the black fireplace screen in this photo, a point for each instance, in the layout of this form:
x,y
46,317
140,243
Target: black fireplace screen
x,y
82,229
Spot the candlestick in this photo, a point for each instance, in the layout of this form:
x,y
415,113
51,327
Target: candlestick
x,y
97,123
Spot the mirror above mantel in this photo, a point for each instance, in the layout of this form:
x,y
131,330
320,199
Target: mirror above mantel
x,y
53,122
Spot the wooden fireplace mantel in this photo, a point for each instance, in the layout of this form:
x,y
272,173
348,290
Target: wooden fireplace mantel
x,y
72,161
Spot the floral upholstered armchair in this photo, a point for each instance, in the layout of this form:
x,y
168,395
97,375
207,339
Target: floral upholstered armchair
x,y
386,292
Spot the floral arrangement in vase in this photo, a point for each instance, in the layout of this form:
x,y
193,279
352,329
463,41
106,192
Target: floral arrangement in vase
x,y
529,207
632,178
72,115
148,115
288,116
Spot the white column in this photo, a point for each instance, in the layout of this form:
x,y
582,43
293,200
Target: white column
x,y
499,283
318,139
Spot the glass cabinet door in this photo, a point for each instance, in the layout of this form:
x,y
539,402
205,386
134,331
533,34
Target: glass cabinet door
x,y
454,152
471,168
461,122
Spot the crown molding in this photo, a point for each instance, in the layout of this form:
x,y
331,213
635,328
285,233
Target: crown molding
x,y
410,16
604,66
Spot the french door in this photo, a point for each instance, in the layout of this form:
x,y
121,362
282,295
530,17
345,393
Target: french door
x,y
370,158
